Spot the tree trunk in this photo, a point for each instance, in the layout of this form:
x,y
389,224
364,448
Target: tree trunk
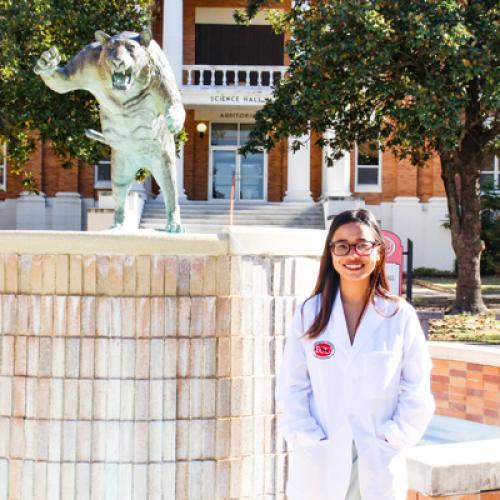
x,y
460,174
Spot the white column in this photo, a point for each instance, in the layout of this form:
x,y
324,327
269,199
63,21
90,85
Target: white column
x,y
299,166
336,179
179,162
173,36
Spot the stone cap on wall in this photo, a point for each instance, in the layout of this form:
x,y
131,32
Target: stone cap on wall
x,y
469,353
236,240
455,468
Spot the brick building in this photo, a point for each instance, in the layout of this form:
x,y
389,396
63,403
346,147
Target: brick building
x,y
225,73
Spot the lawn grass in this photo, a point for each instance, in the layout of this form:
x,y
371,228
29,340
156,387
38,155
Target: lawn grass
x,y
483,328
490,284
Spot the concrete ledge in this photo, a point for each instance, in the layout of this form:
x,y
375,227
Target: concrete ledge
x,y
470,353
112,242
458,468
236,240
246,240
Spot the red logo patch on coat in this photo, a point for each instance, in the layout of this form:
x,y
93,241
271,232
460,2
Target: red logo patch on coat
x,y
323,349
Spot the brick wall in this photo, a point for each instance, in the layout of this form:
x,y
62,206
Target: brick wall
x,y
400,178
143,376
51,177
467,390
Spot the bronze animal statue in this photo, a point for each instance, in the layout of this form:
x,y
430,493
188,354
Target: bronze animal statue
x,y
140,108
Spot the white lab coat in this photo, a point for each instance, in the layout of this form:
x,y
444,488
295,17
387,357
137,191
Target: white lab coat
x,y
375,393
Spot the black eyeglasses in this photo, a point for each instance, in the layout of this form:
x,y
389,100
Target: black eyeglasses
x,y
362,248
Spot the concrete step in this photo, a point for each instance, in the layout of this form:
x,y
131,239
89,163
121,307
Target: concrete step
x,y
214,217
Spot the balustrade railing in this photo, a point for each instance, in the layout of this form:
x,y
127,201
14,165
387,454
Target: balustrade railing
x,y
232,76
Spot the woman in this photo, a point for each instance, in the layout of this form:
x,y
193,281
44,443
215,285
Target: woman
x,y
354,385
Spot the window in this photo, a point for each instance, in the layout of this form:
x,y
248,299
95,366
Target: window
x,y
103,174
368,167
490,176
3,167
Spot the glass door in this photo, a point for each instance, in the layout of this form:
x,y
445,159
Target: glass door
x,y
226,163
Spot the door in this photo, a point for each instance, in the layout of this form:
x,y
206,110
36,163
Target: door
x,y
227,166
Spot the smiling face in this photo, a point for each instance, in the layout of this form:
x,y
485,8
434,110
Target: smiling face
x,y
353,267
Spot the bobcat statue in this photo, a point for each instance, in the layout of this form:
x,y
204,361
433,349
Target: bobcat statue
x,y
140,107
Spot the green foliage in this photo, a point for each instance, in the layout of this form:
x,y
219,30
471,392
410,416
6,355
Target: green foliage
x,y
29,108
490,234
431,272
395,71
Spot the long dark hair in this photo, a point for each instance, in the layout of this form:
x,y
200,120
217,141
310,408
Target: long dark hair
x,y
328,281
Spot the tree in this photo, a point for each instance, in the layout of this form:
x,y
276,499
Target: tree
x,y
29,109
421,77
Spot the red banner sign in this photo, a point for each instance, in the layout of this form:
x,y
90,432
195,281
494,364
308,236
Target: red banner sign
x,y
394,261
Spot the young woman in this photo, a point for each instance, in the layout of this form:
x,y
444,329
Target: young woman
x,y
354,385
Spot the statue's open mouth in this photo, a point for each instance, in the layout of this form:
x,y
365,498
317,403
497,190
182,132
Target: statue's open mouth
x,y
121,81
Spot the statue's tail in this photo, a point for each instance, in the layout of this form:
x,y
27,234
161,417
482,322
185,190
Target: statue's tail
x,y
96,136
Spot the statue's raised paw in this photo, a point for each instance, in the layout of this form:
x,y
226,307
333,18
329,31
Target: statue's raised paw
x,y
48,61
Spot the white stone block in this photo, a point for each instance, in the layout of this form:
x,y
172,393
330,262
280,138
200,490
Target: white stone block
x,y
156,359
4,478
156,399
87,358
111,481
112,443
82,481
154,482
5,441
126,441
56,398
58,354
125,479
97,482
83,442
33,356
141,442
99,403
168,440
140,482
208,439
208,479
85,399
53,481
43,438
195,479
113,400
68,481
69,441
141,400
127,399
182,439
40,480
155,441
170,399
114,357
209,398
98,441
70,409
5,396
101,358
170,358
128,358
168,481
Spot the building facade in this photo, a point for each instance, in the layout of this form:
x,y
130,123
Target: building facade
x,y
225,73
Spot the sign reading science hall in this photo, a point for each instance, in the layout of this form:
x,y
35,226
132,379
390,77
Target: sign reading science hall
x,y
236,97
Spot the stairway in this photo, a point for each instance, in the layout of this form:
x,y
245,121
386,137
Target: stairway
x,y
208,217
